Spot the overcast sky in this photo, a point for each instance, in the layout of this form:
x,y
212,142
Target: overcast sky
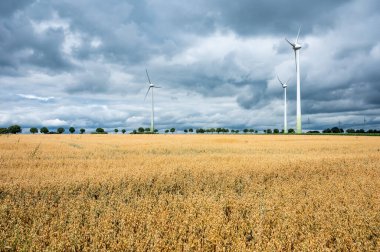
x,y
82,63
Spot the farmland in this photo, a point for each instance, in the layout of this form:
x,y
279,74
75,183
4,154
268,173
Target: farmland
x,y
189,192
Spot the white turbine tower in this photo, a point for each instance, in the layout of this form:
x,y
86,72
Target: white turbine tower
x,y
284,86
151,86
296,47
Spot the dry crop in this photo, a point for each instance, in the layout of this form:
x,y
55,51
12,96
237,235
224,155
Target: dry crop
x,y
189,193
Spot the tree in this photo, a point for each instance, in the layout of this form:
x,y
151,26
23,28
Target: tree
x,y
60,130
166,131
99,130
245,130
140,130
14,129
185,130
237,131
4,131
172,130
134,131
72,130
212,130
328,130
155,130
191,130
147,129
251,131
335,130
291,131
276,131
350,131
123,131
201,131
33,130
44,130
82,131
116,130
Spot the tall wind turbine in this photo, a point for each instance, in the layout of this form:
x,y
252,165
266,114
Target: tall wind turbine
x,y
151,86
296,47
284,86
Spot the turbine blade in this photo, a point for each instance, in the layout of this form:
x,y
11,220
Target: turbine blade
x,y
286,83
146,70
278,78
157,87
298,35
147,92
290,43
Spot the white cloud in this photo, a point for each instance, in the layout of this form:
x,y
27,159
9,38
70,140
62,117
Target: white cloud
x,y
54,123
96,42
34,97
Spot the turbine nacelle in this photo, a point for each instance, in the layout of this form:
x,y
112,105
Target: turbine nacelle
x,y
296,46
283,84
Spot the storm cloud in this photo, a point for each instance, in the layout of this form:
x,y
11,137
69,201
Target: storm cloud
x,y
82,63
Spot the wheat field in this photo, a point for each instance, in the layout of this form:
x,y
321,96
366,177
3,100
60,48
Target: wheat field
x,y
189,193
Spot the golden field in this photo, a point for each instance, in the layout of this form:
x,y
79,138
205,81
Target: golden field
x,y
189,193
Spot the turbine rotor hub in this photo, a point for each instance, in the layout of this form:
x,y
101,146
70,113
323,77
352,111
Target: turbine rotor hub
x,y
297,46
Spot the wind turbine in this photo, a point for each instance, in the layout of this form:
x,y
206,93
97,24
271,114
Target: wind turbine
x,y
284,86
296,47
151,86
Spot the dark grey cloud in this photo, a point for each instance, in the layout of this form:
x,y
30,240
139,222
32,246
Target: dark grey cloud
x,y
209,56
8,8
21,45
93,81
267,17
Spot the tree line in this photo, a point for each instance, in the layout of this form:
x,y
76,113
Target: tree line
x,y
337,130
15,129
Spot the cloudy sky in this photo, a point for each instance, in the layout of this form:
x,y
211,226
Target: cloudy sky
x,y
82,63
